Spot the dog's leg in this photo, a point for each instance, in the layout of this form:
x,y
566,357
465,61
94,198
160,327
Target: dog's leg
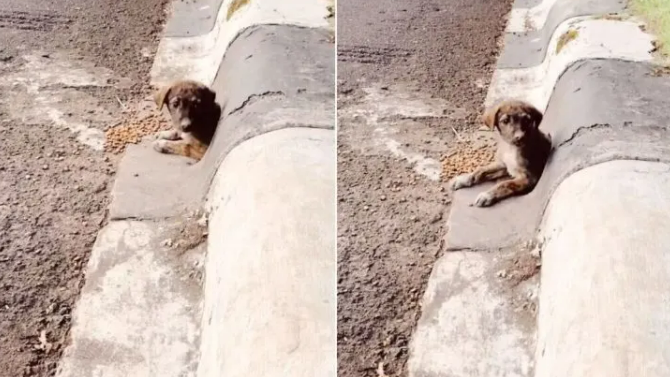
x,y
181,148
503,190
169,135
489,172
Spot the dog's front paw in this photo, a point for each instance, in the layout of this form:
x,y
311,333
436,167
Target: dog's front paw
x,y
168,135
485,199
461,181
160,146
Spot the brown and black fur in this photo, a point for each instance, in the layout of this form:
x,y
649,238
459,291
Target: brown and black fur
x,y
194,114
523,151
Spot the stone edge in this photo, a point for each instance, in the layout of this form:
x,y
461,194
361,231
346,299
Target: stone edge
x,y
527,49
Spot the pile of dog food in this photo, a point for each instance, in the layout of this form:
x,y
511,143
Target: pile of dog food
x,y
465,157
133,130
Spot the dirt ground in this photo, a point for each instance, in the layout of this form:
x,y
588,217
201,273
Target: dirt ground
x,y
412,77
67,69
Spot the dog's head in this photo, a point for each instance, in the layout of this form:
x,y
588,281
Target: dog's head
x,y
513,120
186,101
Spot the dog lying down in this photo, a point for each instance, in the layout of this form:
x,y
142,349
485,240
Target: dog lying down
x,y
523,151
195,116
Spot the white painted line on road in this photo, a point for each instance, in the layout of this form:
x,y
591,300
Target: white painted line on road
x,y
380,111
428,167
44,89
198,58
593,39
529,19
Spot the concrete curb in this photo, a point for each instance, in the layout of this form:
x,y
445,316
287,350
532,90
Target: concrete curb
x,y
603,303
590,118
601,106
199,57
592,39
271,276
530,29
258,297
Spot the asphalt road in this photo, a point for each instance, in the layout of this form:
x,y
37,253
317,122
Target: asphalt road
x,y
67,68
412,77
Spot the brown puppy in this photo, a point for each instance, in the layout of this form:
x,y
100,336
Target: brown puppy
x,y
523,150
195,115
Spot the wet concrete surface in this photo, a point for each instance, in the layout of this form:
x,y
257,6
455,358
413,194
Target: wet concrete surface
x,y
68,69
412,78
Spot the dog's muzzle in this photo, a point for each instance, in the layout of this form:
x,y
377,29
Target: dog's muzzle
x,y
185,124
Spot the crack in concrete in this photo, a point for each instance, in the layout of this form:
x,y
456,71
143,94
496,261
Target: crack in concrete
x,y
255,97
584,130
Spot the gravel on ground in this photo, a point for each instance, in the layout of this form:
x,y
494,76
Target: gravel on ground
x,y
54,189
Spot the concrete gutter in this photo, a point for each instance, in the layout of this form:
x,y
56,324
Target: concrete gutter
x,y
599,198
258,297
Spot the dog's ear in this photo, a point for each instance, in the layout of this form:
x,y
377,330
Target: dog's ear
x,y
535,115
208,95
161,96
490,116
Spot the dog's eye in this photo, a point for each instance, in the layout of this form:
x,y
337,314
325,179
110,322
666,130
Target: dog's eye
x,y
504,119
175,102
526,120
